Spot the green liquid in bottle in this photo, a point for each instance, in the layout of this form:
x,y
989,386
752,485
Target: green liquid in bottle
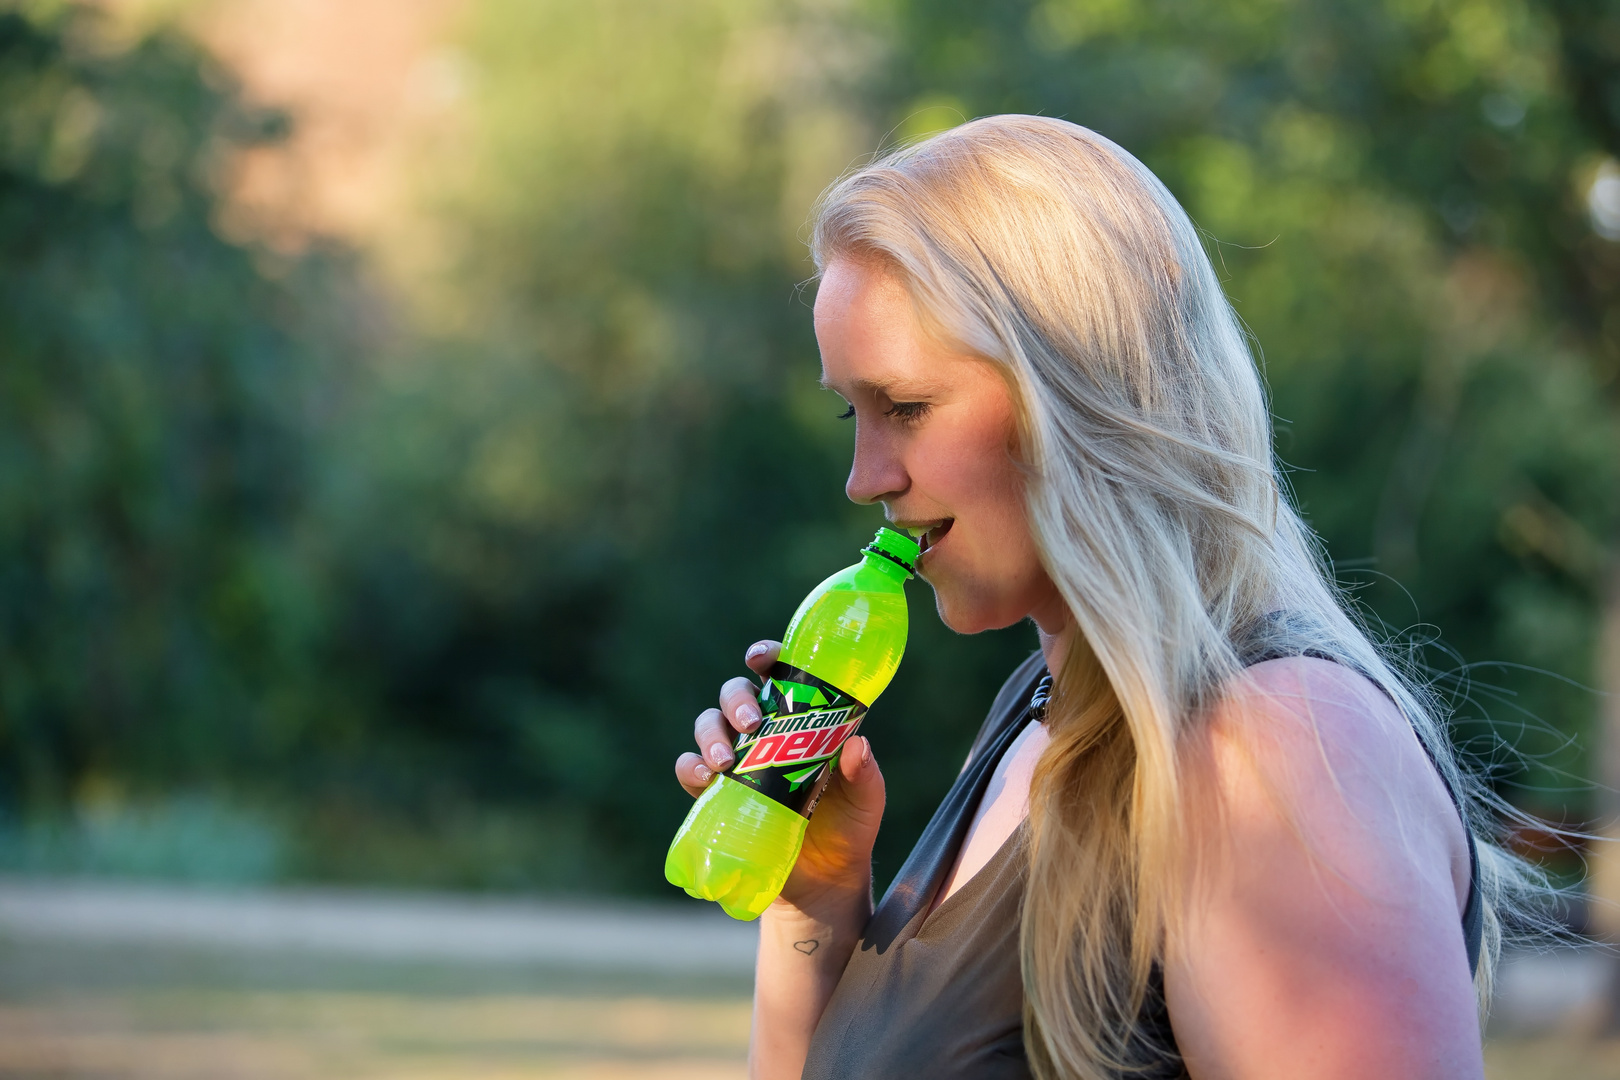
x,y
738,845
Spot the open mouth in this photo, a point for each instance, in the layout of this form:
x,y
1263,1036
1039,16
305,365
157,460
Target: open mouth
x,y
931,534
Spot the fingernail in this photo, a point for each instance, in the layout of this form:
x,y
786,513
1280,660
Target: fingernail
x,y
758,648
866,753
721,754
703,774
748,716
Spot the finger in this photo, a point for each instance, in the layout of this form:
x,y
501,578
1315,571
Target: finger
x,y
739,700
861,781
856,763
714,740
761,655
693,774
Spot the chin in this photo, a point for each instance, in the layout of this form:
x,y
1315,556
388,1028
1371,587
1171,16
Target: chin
x,y
971,615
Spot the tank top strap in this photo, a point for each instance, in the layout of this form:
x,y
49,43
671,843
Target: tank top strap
x,y
924,870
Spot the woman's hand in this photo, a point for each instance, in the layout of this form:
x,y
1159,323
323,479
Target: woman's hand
x,y
807,935
834,869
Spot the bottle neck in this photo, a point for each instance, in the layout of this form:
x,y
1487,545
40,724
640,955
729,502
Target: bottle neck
x,y
887,565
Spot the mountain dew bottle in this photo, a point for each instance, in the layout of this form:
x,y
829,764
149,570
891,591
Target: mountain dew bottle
x,y
742,836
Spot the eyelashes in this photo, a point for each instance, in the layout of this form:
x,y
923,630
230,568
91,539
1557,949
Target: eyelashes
x,y
907,412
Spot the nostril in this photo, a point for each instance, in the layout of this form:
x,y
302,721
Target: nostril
x,y
867,485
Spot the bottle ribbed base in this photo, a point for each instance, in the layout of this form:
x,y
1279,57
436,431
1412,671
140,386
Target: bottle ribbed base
x,y
735,847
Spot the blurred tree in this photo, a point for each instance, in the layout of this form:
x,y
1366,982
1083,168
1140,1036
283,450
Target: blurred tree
x,y
154,613
1589,36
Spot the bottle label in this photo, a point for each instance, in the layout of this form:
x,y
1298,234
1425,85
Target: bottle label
x,y
790,756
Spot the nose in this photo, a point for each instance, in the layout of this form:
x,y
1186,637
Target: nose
x,y
876,474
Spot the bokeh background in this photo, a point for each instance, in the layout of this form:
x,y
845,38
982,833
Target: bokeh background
x,y
408,408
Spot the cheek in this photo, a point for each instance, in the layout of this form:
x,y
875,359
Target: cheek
x,y
993,576
987,490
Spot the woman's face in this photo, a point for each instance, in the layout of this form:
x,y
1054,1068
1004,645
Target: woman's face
x,y
933,439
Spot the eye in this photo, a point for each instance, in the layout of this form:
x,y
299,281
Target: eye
x,y
907,412
847,414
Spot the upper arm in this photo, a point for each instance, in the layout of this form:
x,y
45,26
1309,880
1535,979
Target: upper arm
x,y
1320,933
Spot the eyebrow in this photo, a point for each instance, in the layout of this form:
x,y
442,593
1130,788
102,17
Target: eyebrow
x,y
884,386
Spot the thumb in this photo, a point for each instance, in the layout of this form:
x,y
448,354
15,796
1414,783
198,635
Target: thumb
x,y
858,769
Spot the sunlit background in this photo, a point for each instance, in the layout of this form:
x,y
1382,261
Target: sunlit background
x,y
408,412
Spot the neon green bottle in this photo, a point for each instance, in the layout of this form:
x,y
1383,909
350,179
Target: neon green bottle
x,y
742,836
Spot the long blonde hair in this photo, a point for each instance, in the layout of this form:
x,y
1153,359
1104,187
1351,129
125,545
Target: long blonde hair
x,y
1156,503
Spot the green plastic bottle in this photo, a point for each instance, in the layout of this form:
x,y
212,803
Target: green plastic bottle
x,y
742,836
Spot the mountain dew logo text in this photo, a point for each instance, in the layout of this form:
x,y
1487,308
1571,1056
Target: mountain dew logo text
x,y
800,737
806,721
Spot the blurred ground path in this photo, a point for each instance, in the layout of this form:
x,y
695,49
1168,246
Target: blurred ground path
x,y
113,981
119,981
601,935
1544,1016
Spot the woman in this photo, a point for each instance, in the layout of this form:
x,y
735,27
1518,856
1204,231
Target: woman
x,y
1232,841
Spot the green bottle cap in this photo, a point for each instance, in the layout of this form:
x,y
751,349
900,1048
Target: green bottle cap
x,y
897,547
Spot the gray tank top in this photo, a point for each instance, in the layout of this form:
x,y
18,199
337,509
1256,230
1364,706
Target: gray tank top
x,y
940,994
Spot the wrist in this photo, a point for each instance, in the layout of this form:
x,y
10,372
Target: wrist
x,y
842,910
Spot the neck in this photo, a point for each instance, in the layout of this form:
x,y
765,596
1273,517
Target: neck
x,y
1056,629
1055,646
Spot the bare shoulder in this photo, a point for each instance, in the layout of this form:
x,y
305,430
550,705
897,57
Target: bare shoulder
x,y
1320,934
1275,703
1322,744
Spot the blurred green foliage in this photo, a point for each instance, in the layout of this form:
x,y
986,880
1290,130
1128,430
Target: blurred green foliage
x,y
439,605
153,447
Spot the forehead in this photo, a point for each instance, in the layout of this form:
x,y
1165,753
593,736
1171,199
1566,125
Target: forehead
x,y
868,330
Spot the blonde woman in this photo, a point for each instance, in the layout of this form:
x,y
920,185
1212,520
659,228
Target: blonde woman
x,y
1207,830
